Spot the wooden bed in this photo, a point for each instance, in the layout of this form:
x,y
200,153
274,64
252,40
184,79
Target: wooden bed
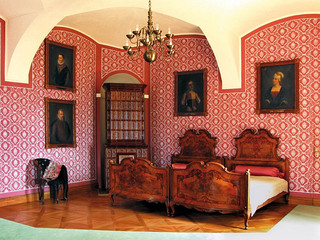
x,y
212,186
139,179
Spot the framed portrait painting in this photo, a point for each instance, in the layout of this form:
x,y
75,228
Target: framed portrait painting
x,y
59,66
191,93
121,156
278,87
60,123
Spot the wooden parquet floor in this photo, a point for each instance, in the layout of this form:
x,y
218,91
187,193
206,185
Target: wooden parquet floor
x,y
88,210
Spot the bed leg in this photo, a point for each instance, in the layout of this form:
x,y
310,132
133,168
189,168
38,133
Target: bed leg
x,y
286,198
246,220
112,199
172,210
168,209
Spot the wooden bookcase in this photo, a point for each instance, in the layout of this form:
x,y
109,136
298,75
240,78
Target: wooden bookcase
x,y
125,123
125,126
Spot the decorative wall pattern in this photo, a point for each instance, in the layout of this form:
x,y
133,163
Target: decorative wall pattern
x,y
22,123
230,113
113,60
22,117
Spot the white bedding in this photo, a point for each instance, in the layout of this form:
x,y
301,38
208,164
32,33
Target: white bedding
x,y
263,188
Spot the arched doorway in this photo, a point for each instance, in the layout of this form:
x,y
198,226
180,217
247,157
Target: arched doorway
x,y
115,78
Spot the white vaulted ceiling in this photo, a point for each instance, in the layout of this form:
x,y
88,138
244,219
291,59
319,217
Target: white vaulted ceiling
x,y
223,22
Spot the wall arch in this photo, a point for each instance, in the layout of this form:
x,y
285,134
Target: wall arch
x,y
121,76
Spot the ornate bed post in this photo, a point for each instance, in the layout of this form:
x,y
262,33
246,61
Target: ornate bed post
x,y
167,202
171,210
286,172
247,209
110,164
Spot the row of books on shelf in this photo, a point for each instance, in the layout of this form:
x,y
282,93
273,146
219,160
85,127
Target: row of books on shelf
x,y
125,125
124,95
125,106
125,135
124,116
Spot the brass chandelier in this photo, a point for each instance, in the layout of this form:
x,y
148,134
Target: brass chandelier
x,y
148,36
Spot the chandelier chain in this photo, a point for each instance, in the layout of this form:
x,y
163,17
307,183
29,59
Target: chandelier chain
x,y
148,36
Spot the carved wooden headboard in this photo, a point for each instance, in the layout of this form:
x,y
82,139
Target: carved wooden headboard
x,y
258,149
195,147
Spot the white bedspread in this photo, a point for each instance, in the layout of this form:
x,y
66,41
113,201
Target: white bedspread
x,y
263,188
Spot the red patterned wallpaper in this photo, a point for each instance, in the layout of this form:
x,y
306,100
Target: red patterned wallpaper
x,y
114,61
22,124
230,113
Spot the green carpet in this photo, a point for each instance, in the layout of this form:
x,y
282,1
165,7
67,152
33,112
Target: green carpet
x,y
16,231
301,222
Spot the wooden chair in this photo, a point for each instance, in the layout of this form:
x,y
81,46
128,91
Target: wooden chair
x,y
40,166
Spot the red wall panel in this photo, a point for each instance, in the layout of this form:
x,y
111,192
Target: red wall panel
x,y
229,113
22,125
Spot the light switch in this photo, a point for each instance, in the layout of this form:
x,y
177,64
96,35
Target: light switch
x,y
316,152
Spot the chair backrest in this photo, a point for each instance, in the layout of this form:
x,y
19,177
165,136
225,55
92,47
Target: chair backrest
x,y
40,165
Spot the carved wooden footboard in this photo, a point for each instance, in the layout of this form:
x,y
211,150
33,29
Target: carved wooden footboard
x,y
139,179
210,188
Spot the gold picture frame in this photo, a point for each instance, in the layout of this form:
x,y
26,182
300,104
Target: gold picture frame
x,y
283,99
59,66
191,93
60,123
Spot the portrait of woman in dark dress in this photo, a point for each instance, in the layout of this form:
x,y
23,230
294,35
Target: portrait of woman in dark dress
x,y
276,95
278,87
190,99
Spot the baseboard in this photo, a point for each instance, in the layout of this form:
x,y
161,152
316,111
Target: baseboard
x,y
304,201
32,197
316,202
